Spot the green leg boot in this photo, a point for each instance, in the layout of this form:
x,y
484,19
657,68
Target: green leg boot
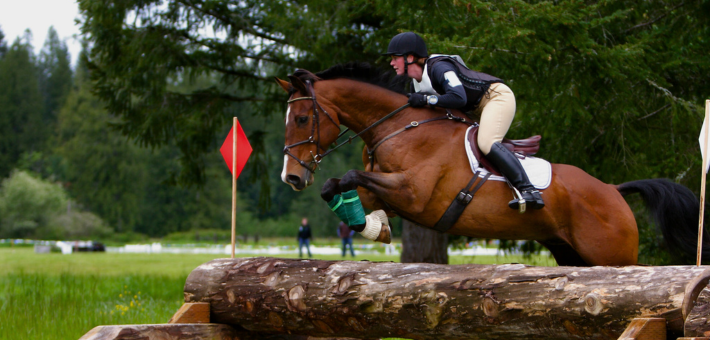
x,y
349,209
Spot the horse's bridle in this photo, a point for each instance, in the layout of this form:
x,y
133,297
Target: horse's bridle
x,y
315,132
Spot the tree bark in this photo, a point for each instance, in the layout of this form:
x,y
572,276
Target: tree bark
x,y
429,301
698,324
422,245
203,331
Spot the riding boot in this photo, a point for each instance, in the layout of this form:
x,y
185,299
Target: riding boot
x,y
509,165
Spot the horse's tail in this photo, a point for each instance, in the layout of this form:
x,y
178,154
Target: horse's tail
x,y
675,210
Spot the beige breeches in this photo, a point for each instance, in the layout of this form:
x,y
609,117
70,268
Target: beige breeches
x,y
497,110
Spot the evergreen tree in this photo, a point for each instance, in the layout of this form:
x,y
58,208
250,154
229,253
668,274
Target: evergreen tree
x,y
56,77
21,105
3,44
104,171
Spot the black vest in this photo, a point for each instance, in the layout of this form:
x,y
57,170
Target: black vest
x,y
475,84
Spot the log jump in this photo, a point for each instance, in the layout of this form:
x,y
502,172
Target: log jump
x,y
307,299
430,301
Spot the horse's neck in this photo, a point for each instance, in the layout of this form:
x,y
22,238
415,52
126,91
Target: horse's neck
x,y
360,105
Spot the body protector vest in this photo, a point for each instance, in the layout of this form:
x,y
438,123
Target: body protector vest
x,y
476,84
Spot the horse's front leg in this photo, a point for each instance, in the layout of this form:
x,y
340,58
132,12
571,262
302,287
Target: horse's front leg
x,y
387,186
392,187
368,198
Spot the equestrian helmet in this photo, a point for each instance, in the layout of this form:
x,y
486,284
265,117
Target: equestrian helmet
x,y
407,43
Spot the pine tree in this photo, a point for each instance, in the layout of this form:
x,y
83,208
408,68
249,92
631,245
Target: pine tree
x,y
3,45
21,105
56,77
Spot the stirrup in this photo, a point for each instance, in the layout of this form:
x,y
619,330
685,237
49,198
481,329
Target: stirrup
x,y
527,198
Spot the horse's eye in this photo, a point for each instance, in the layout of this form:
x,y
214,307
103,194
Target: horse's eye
x,y
302,120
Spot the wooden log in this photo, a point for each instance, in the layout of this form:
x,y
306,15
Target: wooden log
x,y
204,331
192,313
698,322
645,329
430,301
201,331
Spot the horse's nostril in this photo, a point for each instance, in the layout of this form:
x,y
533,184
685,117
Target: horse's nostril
x,y
293,179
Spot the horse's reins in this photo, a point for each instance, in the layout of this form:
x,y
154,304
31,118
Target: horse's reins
x,y
315,131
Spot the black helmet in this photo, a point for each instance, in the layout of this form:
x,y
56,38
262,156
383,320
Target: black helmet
x,y
407,43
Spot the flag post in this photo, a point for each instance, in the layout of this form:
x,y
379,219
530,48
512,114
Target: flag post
x,y
702,181
229,153
234,184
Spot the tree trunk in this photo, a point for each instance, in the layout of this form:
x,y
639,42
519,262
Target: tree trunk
x,y
429,301
422,245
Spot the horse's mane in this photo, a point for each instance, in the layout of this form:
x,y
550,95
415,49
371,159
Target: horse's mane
x,y
363,72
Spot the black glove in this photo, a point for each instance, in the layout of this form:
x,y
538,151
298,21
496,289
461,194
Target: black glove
x,y
416,99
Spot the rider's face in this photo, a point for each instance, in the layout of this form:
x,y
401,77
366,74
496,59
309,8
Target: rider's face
x,y
397,63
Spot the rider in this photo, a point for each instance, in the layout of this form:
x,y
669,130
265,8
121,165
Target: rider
x,y
437,83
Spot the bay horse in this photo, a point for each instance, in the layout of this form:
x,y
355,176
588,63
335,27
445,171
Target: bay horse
x,y
418,173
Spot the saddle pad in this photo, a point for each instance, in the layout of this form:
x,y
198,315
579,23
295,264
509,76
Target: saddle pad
x,y
539,170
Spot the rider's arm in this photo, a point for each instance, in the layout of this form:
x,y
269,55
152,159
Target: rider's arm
x,y
454,96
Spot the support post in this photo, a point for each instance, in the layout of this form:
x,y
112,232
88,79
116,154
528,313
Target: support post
x,y
645,329
702,182
234,184
194,312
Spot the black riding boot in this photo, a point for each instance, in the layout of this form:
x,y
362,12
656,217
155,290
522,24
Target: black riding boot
x,y
510,167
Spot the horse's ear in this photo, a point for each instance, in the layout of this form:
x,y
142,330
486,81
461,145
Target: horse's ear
x,y
298,84
284,85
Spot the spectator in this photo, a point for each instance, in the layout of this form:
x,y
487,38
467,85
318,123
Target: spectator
x,y
346,234
304,237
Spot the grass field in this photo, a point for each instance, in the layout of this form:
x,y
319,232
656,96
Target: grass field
x,y
54,296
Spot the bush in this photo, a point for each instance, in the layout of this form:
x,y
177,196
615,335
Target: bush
x,y
28,204
80,225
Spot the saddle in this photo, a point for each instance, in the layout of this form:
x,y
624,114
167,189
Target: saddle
x,y
526,147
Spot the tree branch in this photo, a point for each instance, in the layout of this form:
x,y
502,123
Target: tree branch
x,y
656,19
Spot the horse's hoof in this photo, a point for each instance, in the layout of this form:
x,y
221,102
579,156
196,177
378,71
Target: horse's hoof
x,y
385,235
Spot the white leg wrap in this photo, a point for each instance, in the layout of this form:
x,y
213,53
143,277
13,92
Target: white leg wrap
x,y
373,226
382,216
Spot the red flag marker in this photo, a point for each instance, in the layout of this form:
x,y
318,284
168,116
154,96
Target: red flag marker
x,y
243,149
236,152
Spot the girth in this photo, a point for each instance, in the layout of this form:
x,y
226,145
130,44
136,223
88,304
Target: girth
x,y
459,204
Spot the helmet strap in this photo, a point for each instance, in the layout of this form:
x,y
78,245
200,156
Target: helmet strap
x,y
407,63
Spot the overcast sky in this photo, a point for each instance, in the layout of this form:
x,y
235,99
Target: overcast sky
x,y
38,15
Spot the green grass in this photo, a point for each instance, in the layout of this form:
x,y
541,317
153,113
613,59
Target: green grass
x,y
55,296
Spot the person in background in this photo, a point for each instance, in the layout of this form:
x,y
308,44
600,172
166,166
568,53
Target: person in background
x,y
346,235
304,237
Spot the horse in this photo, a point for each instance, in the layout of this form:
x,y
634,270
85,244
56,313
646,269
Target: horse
x,y
417,173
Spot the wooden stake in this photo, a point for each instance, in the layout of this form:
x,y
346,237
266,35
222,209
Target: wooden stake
x,y
234,184
702,181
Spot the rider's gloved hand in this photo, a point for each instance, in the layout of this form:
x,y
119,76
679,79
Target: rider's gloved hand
x,y
417,99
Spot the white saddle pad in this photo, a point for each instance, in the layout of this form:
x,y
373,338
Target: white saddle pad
x,y
539,170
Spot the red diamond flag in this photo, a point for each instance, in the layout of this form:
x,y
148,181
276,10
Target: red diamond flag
x,y
243,149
